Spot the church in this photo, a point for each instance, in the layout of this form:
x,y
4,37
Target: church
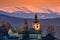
x,y
33,33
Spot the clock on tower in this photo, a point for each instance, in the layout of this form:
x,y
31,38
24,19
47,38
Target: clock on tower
x,y
36,26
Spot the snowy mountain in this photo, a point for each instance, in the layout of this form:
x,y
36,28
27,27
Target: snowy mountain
x,y
23,12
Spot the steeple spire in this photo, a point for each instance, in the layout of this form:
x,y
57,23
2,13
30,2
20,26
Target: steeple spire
x,y
36,24
50,29
35,16
35,19
25,25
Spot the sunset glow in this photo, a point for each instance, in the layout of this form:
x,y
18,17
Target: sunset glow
x,y
30,8
30,2
32,5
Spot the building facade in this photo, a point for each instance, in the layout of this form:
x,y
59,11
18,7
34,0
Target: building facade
x,y
33,33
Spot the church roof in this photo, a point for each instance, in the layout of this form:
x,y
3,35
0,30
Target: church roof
x,y
31,31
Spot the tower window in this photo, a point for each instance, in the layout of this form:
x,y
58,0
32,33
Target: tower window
x,y
37,26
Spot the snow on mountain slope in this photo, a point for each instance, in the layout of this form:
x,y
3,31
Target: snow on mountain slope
x,y
29,11
30,15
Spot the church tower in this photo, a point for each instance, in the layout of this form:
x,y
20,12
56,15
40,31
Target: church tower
x,y
25,25
26,33
36,24
50,34
36,27
50,29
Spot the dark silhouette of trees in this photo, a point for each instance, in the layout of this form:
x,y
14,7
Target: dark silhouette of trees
x,y
4,28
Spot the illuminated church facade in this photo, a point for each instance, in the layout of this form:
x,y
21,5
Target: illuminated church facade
x,y
33,33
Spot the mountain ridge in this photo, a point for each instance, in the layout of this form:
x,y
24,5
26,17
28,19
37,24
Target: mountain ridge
x,y
31,15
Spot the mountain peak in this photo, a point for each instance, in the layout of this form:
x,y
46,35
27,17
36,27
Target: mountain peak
x,y
29,11
25,9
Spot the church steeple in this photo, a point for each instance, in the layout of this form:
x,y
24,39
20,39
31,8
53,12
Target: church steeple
x,y
35,19
25,25
35,16
36,24
50,29
26,33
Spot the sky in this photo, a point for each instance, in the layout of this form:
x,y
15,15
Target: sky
x,y
30,2
34,5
